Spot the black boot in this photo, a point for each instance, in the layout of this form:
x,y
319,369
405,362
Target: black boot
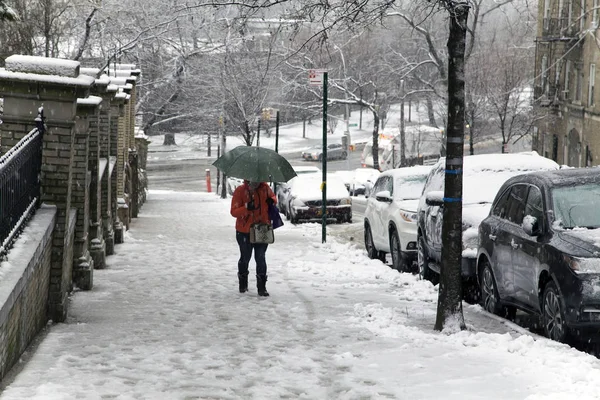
x,y
261,283
243,278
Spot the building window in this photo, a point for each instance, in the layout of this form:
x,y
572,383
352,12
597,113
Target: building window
x,y
570,14
591,85
544,73
565,149
554,148
560,9
567,80
582,15
578,80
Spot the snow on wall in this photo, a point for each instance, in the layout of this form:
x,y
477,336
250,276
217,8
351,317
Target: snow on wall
x,y
43,65
90,101
81,80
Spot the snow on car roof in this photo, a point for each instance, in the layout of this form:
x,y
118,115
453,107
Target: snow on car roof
x,y
305,168
528,161
417,170
484,174
308,187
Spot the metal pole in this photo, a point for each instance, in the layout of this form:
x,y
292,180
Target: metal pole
x,y
324,184
277,132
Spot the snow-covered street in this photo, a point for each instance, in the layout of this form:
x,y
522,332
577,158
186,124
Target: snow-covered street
x,y
165,321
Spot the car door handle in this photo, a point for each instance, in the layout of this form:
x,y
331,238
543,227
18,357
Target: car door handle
x,y
492,237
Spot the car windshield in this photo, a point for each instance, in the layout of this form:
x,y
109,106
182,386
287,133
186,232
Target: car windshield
x,y
410,187
577,206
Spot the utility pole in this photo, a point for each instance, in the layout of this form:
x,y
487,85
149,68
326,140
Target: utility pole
x,y
324,184
277,132
402,127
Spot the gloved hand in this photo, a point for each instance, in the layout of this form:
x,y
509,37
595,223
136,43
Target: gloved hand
x,y
270,201
250,206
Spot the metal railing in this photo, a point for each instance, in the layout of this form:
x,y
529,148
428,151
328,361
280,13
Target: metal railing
x,y
559,27
20,171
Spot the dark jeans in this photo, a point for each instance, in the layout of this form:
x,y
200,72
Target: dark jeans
x,y
260,249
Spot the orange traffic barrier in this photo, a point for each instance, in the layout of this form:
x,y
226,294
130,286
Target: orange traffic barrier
x,y
208,188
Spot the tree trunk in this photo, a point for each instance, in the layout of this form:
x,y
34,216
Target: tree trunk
x,y
402,133
304,128
449,310
224,180
375,140
169,140
430,113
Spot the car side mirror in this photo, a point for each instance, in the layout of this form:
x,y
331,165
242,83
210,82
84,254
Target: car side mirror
x,y
531,226
434,198
384,196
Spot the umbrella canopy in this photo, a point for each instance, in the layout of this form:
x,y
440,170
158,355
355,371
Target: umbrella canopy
x,y
256,164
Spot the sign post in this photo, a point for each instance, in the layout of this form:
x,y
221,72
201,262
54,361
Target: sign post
x,y
318,77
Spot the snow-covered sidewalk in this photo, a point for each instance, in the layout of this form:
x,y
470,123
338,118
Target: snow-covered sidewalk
x,y
165,321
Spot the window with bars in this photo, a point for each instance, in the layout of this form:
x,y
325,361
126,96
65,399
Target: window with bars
x,y
592,82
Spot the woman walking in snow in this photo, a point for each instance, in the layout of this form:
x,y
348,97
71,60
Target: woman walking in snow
x,y
250,205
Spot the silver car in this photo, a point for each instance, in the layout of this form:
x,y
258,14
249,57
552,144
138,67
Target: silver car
x,y
335,151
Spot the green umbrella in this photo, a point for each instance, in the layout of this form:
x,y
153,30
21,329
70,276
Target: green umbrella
x,y
255,164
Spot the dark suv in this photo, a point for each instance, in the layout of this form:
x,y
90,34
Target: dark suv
x,y
483,175
539,251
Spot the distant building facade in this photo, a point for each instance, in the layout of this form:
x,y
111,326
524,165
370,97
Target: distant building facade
x,y
566,100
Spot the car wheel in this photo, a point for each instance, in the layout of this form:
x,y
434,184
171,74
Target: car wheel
x,y
490,300
369,246
344,155
293,217
553,315
398,261
320,158
423,263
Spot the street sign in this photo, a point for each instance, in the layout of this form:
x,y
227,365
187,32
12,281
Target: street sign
x,y
269,114
353,125
315,77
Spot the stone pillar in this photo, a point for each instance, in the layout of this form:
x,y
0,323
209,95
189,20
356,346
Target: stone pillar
x,y
108,162
26,84
83,168
116,116
98,165
142,157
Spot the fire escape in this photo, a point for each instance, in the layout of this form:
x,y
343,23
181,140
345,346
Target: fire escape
x,y
559,42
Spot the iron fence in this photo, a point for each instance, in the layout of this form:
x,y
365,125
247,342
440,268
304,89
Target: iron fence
x,y
20,171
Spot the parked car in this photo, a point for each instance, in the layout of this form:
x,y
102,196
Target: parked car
x,y
282,188
483,175
391,216
362,181
540,251
306,199
232,184
335,151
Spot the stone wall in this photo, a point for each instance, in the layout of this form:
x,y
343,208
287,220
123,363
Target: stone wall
x,y
24,281
78,224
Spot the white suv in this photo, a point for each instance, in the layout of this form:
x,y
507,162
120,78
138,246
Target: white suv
x,y
391,216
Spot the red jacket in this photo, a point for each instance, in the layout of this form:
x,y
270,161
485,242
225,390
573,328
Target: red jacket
x,y
245,217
